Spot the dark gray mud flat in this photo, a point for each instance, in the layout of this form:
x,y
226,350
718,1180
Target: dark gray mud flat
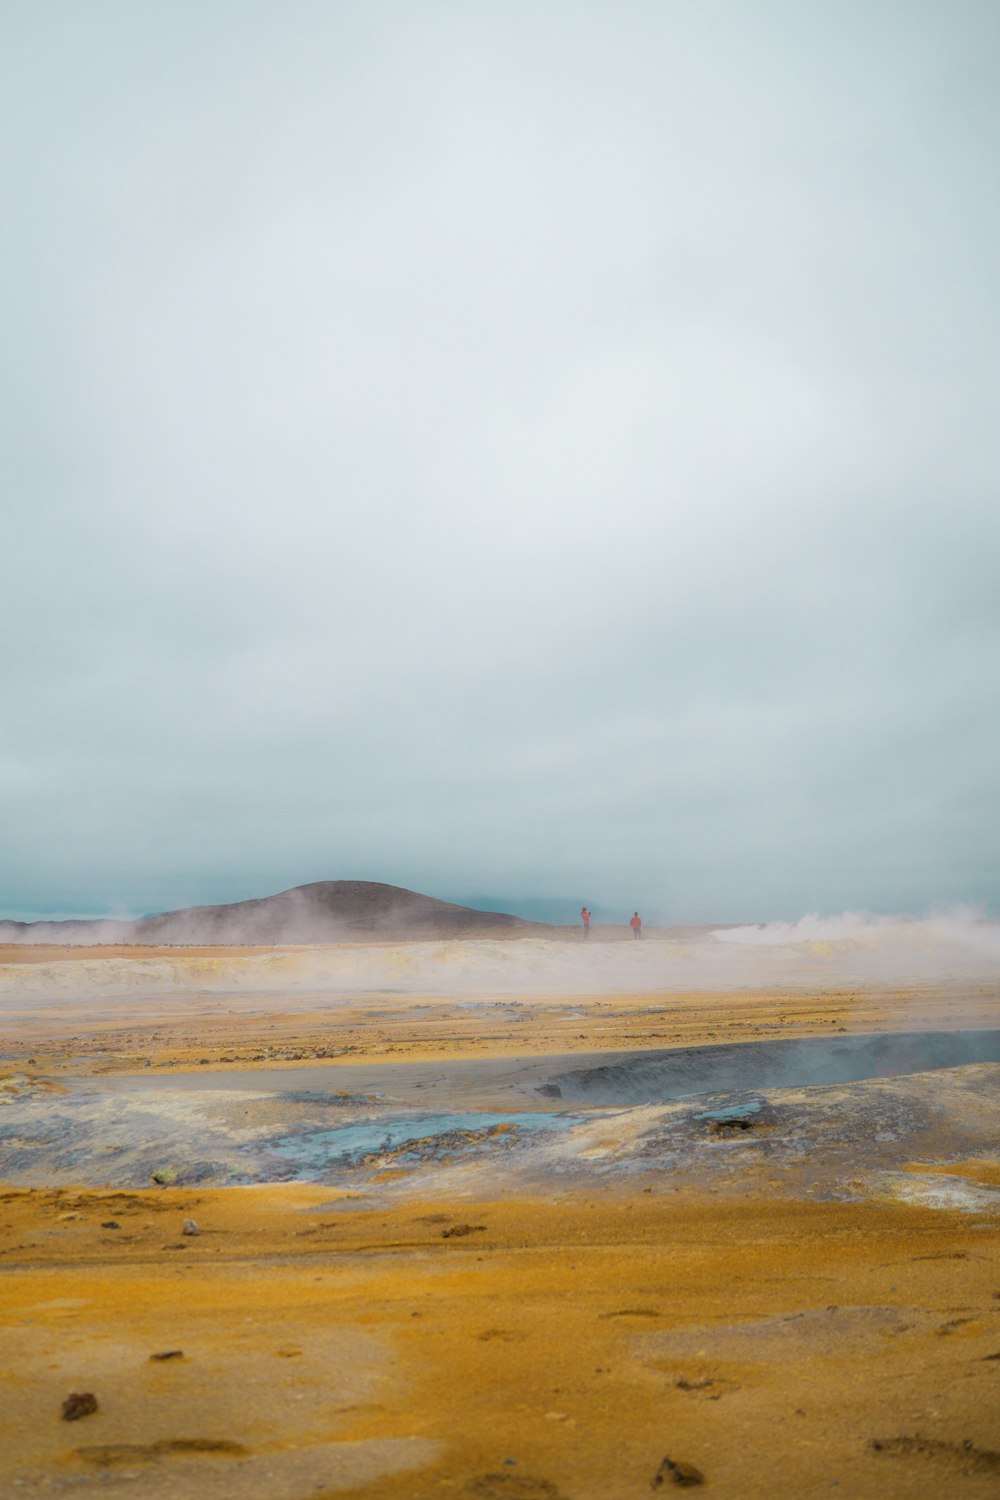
x,y
653,1077
810,1114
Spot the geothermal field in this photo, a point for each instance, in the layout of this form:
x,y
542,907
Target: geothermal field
x,y
504,1214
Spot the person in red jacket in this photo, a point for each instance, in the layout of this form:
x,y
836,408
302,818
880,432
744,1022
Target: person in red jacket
x,y
636,925
585,919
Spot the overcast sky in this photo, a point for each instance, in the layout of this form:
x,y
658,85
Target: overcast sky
x,y
506,448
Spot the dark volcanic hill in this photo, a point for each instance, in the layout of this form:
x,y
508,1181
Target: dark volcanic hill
x,y
324,912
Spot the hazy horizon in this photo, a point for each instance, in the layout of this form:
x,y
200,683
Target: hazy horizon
x,y
490,448
564,911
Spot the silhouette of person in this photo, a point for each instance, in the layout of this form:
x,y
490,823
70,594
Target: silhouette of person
x,y
636,925
585,919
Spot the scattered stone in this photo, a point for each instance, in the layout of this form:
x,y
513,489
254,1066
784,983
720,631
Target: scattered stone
x,y
457,1230
735,1118
165,1177
550,1090
632,1312
79,1404
439,1147
168,1354
110,1224
110,1455
190,1227
512,1487
973,1460
676,1471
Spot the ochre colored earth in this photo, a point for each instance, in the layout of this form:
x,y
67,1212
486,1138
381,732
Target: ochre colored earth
x,y
319,1342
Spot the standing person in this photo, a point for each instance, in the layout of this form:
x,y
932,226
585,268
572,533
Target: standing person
x,y
585,919
636,925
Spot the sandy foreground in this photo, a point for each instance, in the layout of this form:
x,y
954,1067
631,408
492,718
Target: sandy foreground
x,y
798,1297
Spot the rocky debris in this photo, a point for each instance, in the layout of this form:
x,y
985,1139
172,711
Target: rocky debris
x,y
512,1486
168,1354
447,1143
632,1312
190,1227
164,1177
733,1119
676,1471
952,1325
971,1460
710,1387
110,1224
79,1404
457,1230
108,1455
549,1090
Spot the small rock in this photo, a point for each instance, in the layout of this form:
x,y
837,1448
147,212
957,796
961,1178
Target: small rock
x,y
510,1486
79,1404
110,1224
168,1354
190,1227
459,1229
675,1471
165,1177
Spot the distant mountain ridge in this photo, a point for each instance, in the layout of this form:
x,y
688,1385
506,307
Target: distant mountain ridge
x,y
322,912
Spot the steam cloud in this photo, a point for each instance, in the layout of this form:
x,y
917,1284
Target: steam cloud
x,y
815,952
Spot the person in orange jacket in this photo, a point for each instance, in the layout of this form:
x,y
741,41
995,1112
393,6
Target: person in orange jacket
x,y
585,919
636,925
